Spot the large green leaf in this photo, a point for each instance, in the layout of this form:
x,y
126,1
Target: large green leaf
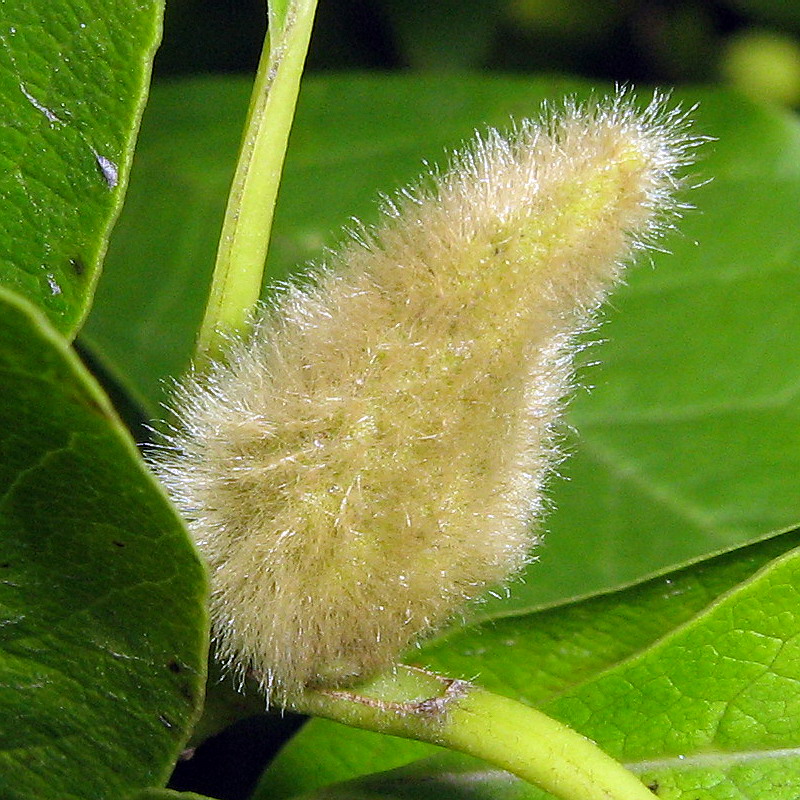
x,y
455,777
689,441
102,596
450,776
73,78
540,654
640,642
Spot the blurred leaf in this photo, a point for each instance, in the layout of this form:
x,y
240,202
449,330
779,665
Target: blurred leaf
x,y
103,631
450,776
149,305
765,65
456,777
73,79
689,441
679,41
166,794
564,19
207,36
339,753
775,11
553,658
449,35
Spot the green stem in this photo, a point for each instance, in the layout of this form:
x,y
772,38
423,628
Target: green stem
x,y
238,274
455,714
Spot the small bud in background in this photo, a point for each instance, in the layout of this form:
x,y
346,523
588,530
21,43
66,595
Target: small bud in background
x,y
373,457
764,65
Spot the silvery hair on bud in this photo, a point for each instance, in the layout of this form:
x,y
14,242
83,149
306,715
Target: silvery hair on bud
x,y
372,457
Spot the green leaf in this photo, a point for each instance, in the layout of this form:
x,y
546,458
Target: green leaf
x,y
103,633
338,753
694,406
544,656
73,79
456,777
451,776
714,695
538,655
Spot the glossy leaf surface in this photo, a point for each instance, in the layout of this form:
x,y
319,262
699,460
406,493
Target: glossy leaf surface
x,y
73,80
103,632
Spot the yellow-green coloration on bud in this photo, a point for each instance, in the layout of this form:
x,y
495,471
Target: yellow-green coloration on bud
x,y
373,457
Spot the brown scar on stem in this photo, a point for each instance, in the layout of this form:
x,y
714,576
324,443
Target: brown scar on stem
x,y
452,689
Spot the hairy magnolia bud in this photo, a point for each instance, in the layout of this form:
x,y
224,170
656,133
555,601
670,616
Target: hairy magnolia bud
x,y
372,458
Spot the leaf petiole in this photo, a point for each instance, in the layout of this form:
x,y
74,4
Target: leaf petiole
x,y
416,704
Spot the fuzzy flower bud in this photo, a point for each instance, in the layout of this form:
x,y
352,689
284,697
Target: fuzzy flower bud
x,y
373,457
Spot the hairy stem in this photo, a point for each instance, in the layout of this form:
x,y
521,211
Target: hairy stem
x,y
460,716
238,274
